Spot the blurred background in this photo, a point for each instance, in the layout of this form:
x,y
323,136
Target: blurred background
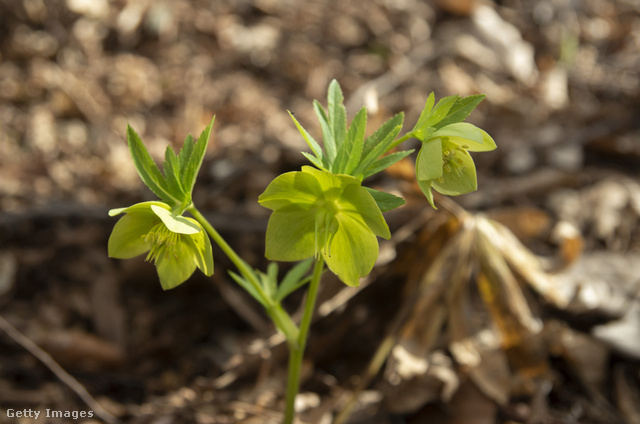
x,y
562,80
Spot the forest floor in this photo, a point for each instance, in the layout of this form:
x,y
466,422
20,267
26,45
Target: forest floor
x,y
542,328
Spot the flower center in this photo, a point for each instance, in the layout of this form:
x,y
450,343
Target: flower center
x,y
326,227
451,162
164,243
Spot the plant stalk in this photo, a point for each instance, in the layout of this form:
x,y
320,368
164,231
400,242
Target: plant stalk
x,y
296,351
278,315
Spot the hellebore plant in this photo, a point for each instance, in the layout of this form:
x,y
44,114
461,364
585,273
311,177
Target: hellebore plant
x,y
321,215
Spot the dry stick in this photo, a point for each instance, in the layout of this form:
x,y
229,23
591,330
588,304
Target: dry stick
x,y
64,376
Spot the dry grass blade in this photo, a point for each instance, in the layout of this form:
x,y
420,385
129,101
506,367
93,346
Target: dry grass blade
x,y
499,288
527,265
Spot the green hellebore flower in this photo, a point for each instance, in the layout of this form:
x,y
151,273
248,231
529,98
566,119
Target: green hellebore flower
x,y
176,244
317,212
444,162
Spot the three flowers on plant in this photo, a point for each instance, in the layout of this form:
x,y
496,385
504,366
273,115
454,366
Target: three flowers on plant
x,y
321,210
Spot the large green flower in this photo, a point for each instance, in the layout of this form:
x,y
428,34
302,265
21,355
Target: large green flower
x,y
444,162
176,244
317,212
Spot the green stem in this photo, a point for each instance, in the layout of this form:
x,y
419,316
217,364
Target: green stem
x,y
278,315
296,353
400,141
242,266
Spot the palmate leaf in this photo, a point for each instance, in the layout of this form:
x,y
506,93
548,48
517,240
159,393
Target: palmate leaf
x,y
378,143
148,170
180,171
440,110
460,110
193,157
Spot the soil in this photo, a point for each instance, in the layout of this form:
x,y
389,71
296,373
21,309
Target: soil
x,y
562,81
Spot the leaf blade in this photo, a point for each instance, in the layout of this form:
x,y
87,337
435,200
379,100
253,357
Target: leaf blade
x,y
147,168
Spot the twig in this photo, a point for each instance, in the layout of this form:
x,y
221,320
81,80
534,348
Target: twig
x,y
64,376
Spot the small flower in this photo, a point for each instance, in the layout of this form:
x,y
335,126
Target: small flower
x,y
176,244
317,212
444,162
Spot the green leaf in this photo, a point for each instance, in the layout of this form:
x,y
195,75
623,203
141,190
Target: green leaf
x,y
355,141
429,160
461,109
147,168
385,162
441,110
185,154
426,112
313,145
171,168
249,288
337,113
270,280
314,160
377,144
327,135
385,201
190,171
293,279
382,133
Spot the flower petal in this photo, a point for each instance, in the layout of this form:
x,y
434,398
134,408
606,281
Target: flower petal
x,y
353,251
127,239
290,188
461,130
199,246
429,161
291,234
356,199
487,143
138,207
425,186
330,182
176,224
454,183
173,271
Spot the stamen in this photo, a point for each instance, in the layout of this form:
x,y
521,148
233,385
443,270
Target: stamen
x,y
163,242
